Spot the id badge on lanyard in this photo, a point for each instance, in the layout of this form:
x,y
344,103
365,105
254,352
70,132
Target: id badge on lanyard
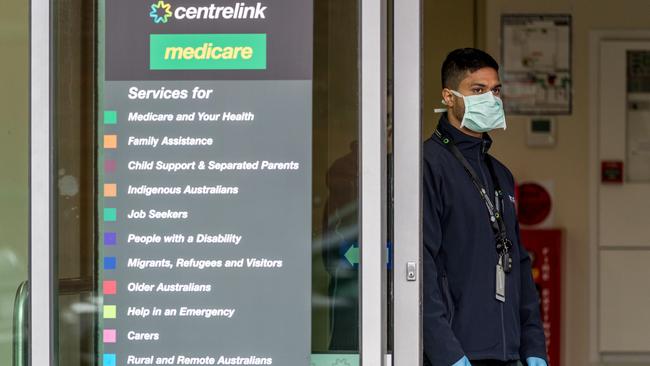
x,y
500,292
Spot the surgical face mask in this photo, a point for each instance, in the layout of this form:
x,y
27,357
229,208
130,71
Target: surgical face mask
x,y
483,112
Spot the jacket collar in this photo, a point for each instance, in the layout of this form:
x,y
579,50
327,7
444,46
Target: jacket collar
x,y
470,146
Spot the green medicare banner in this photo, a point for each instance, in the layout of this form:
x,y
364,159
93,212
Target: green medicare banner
x,y
207,52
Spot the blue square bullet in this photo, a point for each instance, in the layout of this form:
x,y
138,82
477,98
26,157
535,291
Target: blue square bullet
x,y
109,359
110,262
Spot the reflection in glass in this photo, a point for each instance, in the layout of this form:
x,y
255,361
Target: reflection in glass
x,y
341,250
74,118
14,152
335,320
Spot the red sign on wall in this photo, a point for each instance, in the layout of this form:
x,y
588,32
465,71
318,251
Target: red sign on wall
x,y
611,172
545,248
534,204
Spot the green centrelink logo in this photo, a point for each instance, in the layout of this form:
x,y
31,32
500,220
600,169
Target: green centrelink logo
x,y
160,12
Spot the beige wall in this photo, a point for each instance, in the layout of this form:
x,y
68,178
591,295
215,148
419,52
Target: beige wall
x,y
567,163
447,25
13,162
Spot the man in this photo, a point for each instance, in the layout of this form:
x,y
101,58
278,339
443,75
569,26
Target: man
x,y
480,303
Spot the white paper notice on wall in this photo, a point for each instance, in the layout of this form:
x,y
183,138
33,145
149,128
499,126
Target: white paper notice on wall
x,y
536,61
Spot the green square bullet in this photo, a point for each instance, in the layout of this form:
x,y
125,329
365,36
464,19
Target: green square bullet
x,y
110,214
110,311
110,117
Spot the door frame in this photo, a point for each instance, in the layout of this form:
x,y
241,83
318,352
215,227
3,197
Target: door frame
x,y
407,167
41,176
407,153
595,39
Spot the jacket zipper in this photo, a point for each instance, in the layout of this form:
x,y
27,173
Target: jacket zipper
x,y
481,158
481,161
503,332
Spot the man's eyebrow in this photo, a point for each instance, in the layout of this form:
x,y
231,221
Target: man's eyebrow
x,y
485,85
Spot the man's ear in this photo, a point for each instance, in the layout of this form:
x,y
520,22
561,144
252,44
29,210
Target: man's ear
x,y
448,97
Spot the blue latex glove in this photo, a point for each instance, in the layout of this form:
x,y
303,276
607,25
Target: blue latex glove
x,y
535,361
464,362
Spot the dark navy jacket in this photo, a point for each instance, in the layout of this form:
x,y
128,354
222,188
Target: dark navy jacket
x,y
461,314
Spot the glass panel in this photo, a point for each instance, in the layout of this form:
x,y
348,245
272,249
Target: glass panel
x,y
335,216
638,116
14,99
74,110
334,174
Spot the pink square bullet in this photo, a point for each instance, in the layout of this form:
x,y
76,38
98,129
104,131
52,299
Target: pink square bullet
x,y
110,287
110,335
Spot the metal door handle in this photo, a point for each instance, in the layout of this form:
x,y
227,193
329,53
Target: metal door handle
x,y
411,271
21,326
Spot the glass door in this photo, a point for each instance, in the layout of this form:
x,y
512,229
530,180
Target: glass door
x,y
14,195
209,183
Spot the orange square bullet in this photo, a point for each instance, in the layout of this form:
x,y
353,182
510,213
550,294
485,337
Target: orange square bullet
x,y
110,190
110,141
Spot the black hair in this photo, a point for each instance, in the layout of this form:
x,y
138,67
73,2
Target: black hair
x,y
462,61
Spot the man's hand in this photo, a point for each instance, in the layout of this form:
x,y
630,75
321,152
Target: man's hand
x,y
465,362
535,361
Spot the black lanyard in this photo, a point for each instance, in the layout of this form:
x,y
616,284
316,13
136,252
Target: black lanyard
x,y
503,244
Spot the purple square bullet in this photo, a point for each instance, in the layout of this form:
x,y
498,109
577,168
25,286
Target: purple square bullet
x,y
109,166
110,238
